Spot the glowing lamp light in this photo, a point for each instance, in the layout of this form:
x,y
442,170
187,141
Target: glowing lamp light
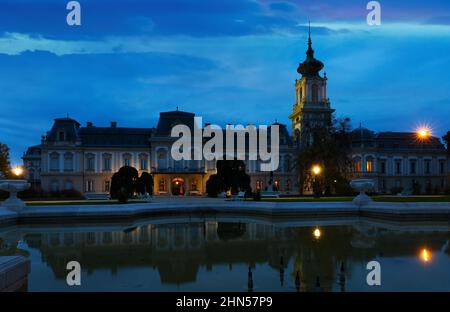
x,y
316,169
423,133
317,233
18,171
425,255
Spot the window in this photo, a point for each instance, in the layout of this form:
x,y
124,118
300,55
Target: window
x,y
427,167
383,167
162,159
383,184
277,185
107,162
54,186
68,162
90,162
107,187
127,160
61,136
398,167
315,93
162,185
369,165
287,164
194,185
412,167
259,185
442,167
68,185
288,185
357,164
143,162
54,161
89,186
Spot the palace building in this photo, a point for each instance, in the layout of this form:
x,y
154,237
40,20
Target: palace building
x,y
84,158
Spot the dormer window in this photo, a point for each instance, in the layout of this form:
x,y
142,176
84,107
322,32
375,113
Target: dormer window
x,y
61,136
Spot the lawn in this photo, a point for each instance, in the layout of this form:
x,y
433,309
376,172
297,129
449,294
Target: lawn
x,y
387,199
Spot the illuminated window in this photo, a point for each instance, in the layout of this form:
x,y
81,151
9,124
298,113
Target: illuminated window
x,y
162,185
357,165
369,165
259,185
277,185
194,185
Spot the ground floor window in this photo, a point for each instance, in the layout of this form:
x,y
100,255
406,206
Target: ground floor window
x,y
162,185
194,185
107,186
68,185
54,186
259,185
89,186
288,185
277,185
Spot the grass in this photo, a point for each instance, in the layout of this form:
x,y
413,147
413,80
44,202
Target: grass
x,y
387,199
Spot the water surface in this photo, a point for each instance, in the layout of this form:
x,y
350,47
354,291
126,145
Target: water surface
x,y
216,254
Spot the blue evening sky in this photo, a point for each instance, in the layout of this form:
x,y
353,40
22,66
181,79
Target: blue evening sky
x,y
230,61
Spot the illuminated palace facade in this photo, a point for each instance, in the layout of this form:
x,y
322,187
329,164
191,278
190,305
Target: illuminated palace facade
x,y
84,158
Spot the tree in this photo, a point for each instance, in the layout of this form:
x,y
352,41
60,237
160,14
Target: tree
x,y
123,183
446,139
331,149
145,184
213,186
5,168
231,176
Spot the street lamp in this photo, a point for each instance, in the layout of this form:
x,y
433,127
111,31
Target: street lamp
x,y
423,133
18,171
316,170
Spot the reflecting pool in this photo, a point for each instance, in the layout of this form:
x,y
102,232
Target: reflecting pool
x,y
234,254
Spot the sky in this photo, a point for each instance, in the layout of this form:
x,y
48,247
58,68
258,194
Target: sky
x,y
229,61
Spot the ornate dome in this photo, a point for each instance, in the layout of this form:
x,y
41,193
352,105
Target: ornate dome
x,y
310,67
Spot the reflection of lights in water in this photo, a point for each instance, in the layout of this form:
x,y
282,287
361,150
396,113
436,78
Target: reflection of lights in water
x,y
425,255
317,233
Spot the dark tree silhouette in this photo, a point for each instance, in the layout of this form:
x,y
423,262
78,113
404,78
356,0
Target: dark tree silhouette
x,y
123,183
231,176
5,169
145,184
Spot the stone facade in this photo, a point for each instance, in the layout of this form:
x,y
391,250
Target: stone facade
x,y
85,158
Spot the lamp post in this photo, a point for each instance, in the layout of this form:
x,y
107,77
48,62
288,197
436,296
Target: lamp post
x,y
18,171
316,170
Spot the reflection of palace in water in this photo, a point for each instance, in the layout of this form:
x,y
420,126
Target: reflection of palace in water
x,y
178,251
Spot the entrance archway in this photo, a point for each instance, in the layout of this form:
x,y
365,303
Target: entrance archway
x,y
178,186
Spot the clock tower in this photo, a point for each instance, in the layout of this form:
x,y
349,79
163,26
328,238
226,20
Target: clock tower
x,y
311,109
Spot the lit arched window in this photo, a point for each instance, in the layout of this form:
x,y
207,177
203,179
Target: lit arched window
x,y
357,164
369,165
